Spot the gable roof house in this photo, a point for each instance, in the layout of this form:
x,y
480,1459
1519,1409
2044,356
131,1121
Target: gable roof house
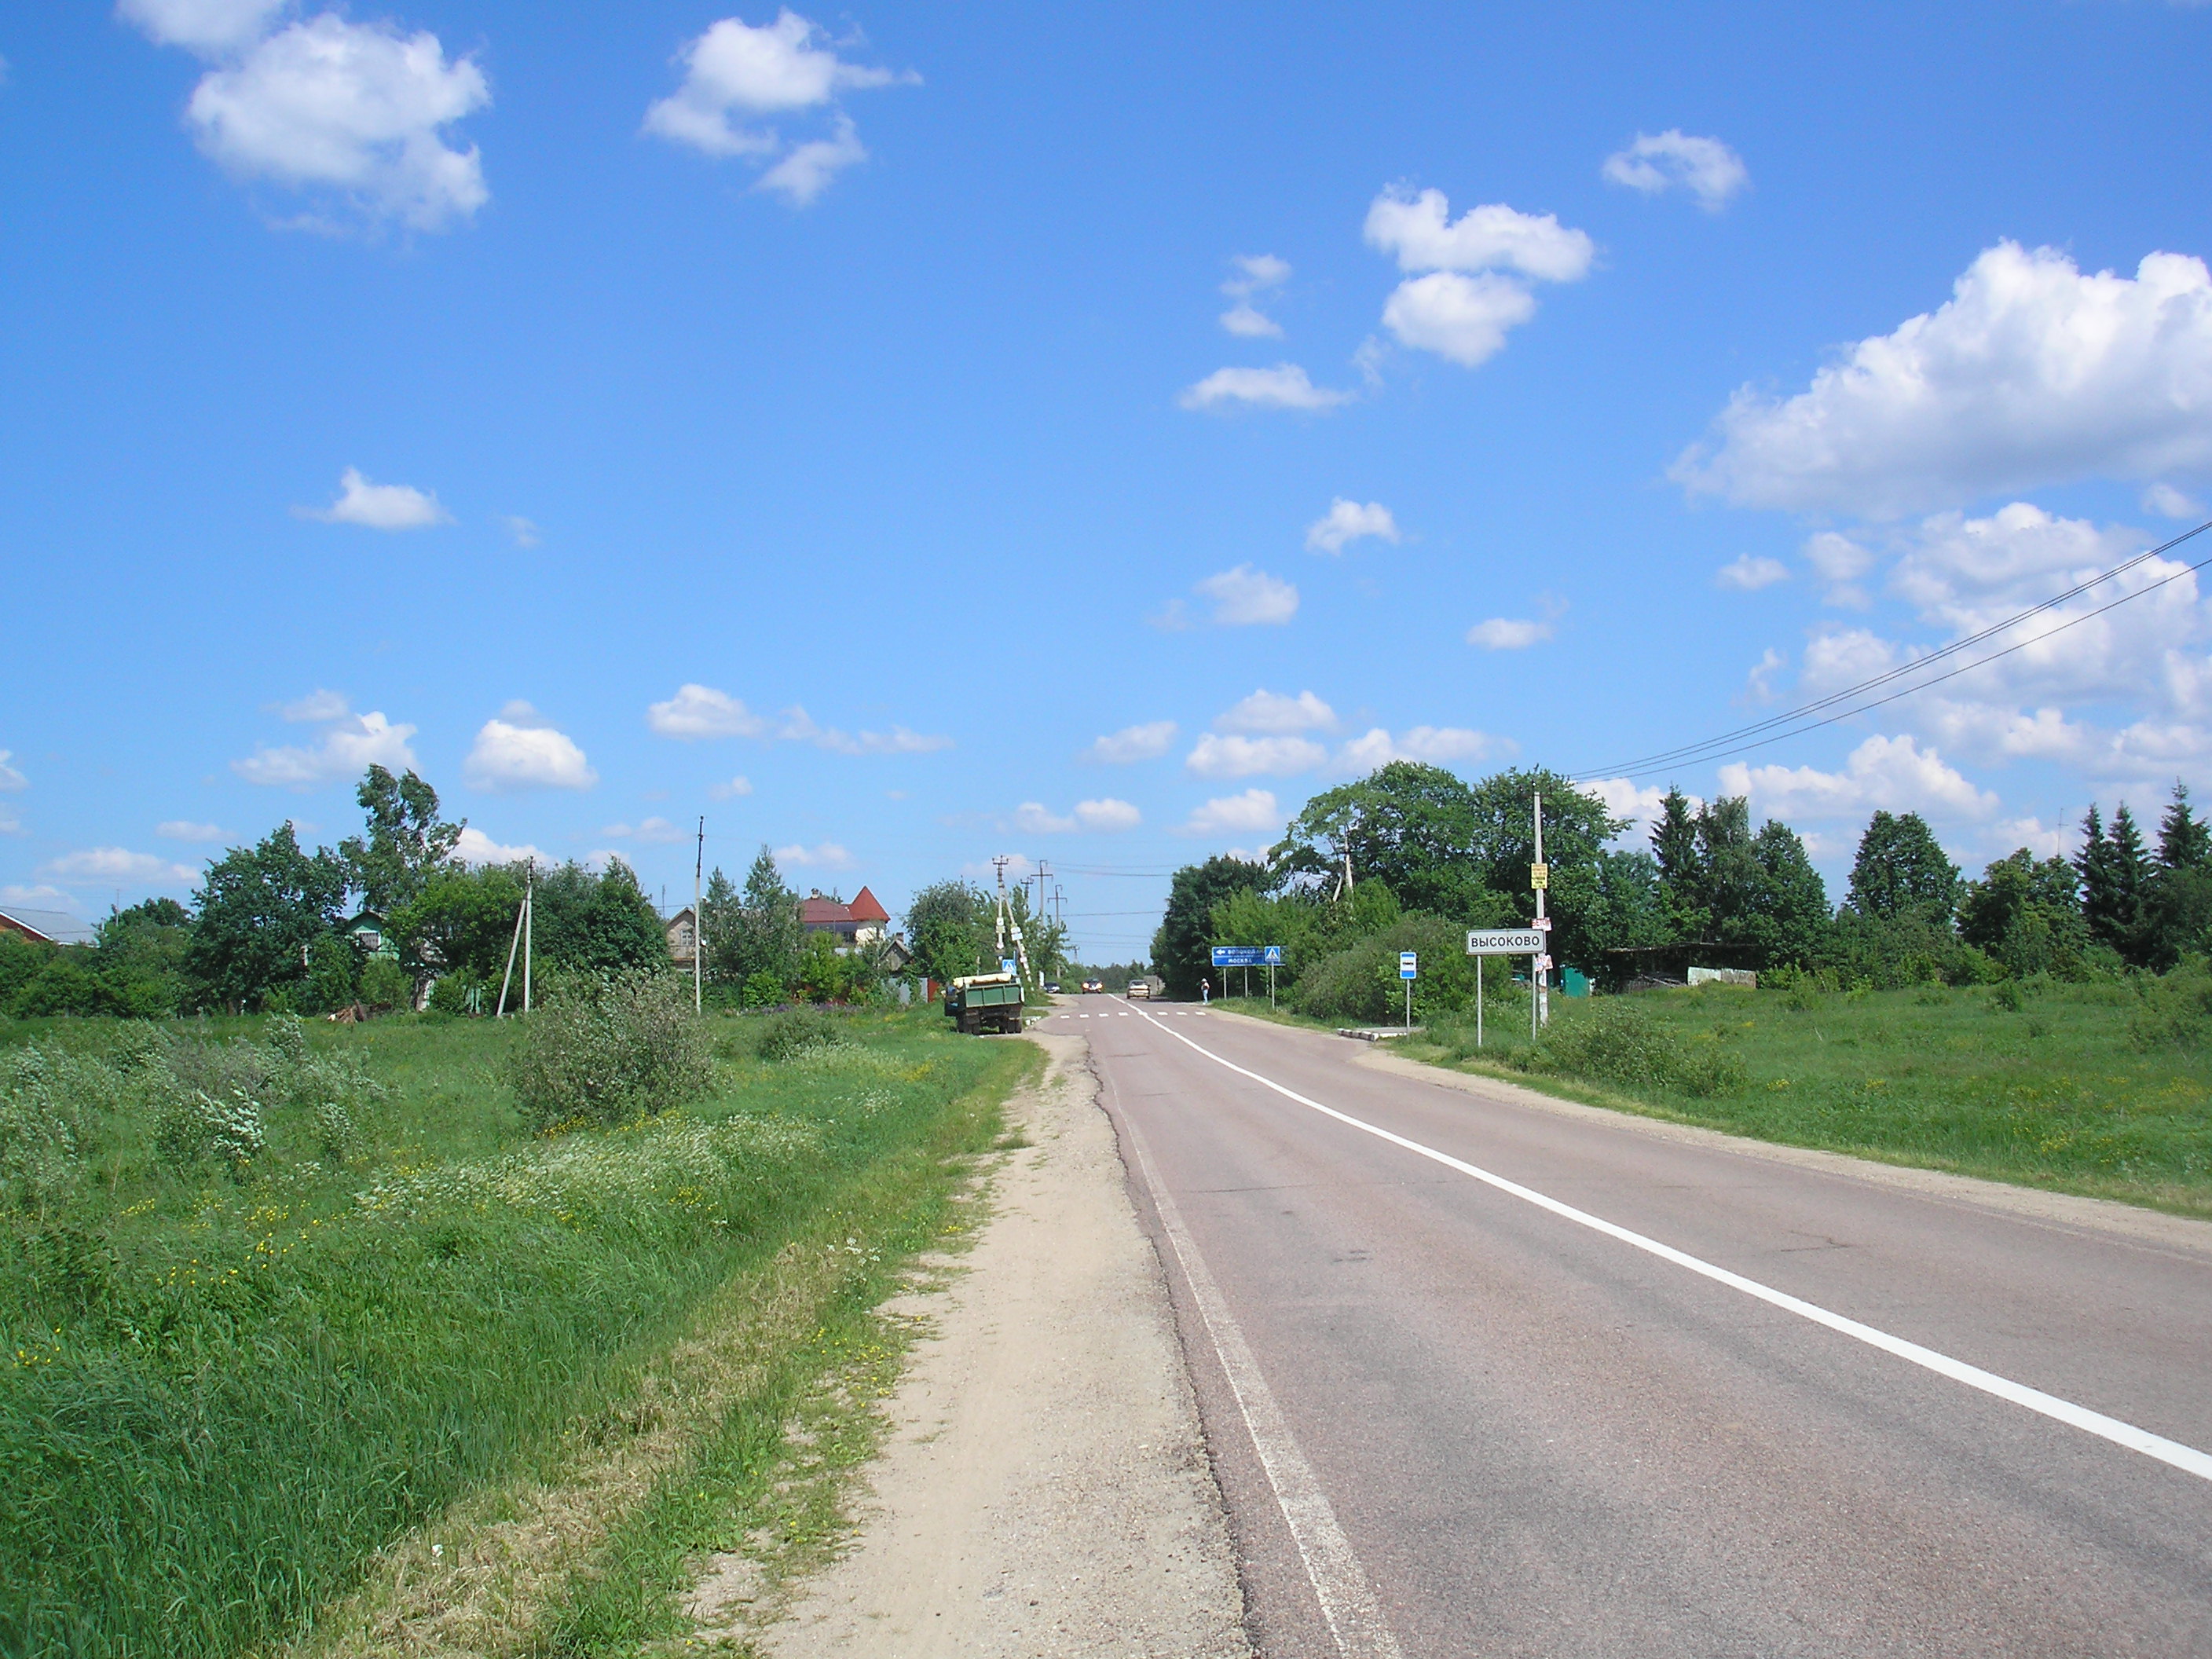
x,y
45,926
682,937
861,922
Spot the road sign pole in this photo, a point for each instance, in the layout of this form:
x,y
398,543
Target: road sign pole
x,y
1478,1002
1539,1010
1271,985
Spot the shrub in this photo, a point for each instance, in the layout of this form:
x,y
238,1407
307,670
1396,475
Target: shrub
x,y
796,1031
385,984
762,990
192,1125
607,1050
2175,1010
1617,1044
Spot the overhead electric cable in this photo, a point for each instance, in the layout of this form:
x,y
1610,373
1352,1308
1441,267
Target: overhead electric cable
x,y
1747,737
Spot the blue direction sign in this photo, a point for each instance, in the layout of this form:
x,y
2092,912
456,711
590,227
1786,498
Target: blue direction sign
x,y
1408,964
1247,956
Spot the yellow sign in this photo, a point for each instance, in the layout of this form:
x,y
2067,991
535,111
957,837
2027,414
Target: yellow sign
x,y
1539,877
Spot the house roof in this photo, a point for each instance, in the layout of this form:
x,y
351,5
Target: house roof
x,y
819,912
863,907
50,926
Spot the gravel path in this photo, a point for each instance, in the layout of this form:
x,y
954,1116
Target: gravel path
x,y
1046,1490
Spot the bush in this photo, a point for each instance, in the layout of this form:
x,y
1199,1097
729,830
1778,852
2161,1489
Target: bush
x,y
763,989
192,1125
794,1032
1608,1041
385,984
608,1050
2175,1011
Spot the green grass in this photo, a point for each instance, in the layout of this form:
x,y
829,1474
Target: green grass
x,y
2054,1093
221,1397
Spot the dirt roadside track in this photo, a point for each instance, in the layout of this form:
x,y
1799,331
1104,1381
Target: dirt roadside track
x,y
1046,1490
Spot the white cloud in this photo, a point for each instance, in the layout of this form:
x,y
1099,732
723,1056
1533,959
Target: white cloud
x,y
736,72
41,897
476,848
1283,387
1131,742
1270,711
354,109
107,865
521,530
1234,757
1420,232
379,506
2031,374
2168,503
1463,318
799,726
700,711
827,856
1102,815
1033,817
1642,804
1706,167
657,832
1255,272
350,747
1253,812
1347,521
185,830
1508,633
317,706
1892,773
1462,309
1758,683
519,750
11,780
731,790
210,27
1244,597
1433,745
1748,574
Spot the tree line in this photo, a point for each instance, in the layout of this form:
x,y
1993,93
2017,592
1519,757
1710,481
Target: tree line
x,y
1412,855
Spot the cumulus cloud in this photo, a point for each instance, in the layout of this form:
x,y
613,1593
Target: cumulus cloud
x,y
730,789
1255,273
2168,503
11,780
349,746
1231,755
1480,267
1654,162
1642,804
700,711
1433,745
518,749
44,896
1347,521
1253,812
1758,683
1283,387
1508,633
656,832
736,73
111,866
1245,597
1101,815
2031,374
318,706
829,855
476,848
379,506
354,114
1748,574
799,726
1270,711
1131,742
1892,773
185,830
207,26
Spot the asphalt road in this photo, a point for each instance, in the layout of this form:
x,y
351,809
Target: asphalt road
x,y
1448,1420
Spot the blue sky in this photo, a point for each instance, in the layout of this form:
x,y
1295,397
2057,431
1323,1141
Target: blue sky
x,y
458,382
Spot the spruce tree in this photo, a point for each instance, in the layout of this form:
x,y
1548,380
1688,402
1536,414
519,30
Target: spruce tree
x,y
2115,872
2185,840
1900,871
1682,895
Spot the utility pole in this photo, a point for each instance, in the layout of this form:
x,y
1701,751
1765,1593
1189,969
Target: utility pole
x,y
698,925
529,927
1000,863
1540,1012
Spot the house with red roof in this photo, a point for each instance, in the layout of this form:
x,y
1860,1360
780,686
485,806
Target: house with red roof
x,y
861,922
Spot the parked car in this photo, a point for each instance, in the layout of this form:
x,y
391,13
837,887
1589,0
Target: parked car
x,y
1052,987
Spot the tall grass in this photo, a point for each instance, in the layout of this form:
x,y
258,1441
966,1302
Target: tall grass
x,y
225,1380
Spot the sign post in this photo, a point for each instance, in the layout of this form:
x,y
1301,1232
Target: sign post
x,y
1505,942
1248,956
1273,956
1540,878
1409,966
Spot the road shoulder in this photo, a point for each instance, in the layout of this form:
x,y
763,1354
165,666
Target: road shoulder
x,y
1045,1490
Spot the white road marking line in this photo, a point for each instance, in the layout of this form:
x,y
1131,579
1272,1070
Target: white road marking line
x,y
1347,1600
2187,1459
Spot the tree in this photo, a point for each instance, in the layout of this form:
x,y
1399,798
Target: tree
x,y
405,841
459,922
1757,895
601,925
2178,908
2185,840
139,960
259,910
2115,875
948,928
1625,912
755,932
1409,825
2026,914
1181,952
1901,870
1577,828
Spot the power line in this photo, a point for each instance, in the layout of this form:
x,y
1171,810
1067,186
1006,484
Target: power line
x,y
1747,737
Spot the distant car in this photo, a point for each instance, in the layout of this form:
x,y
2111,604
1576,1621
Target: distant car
x,y
1052,987
1094,985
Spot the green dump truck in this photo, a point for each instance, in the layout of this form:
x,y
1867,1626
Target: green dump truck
x,y
985,1002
